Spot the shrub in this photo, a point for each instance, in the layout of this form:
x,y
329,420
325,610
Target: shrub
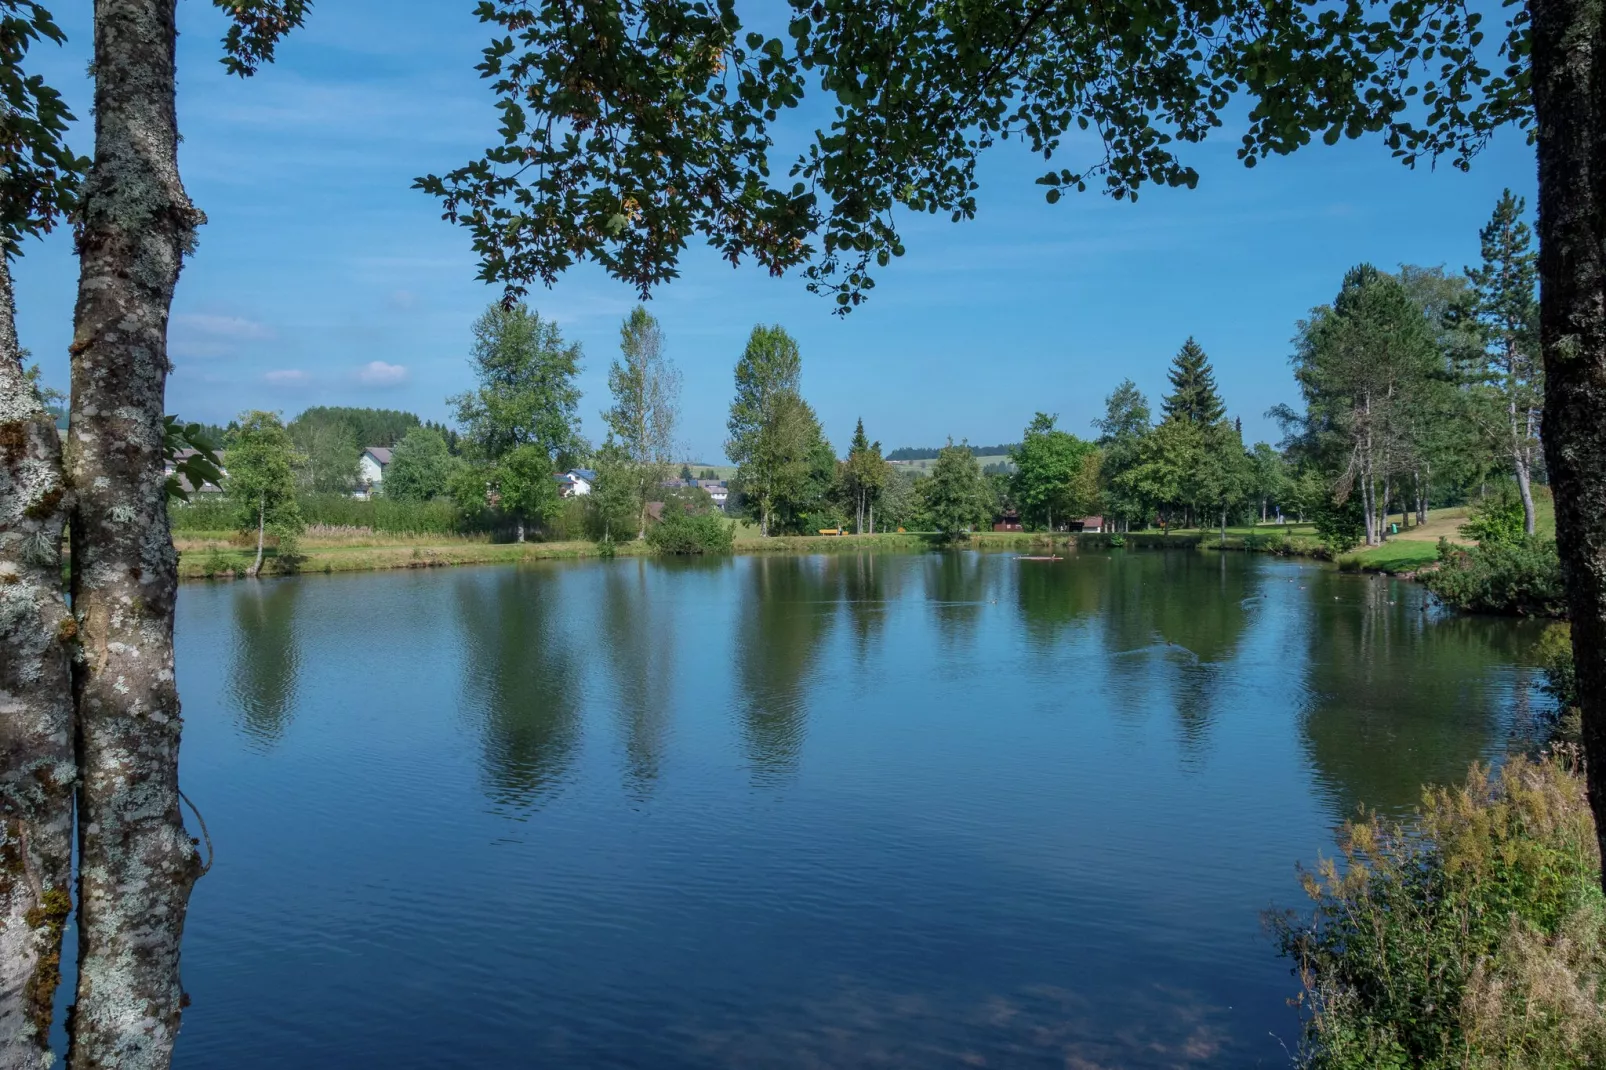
x,y
1561,683
1467,937
683,533
1520,578
1340,525
203,512
1496,519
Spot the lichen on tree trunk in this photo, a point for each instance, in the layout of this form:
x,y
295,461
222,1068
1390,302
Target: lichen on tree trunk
x,y
1570,107
137,862
37,770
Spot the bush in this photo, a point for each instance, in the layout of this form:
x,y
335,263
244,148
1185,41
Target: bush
x,y
1340,525
1468,937
683,533
203,512
1497,520
1561,683
1520,578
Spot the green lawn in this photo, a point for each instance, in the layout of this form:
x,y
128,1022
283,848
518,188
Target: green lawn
x,y
1396,555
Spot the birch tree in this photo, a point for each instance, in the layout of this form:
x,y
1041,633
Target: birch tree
x,y
37,719
646,406
767,423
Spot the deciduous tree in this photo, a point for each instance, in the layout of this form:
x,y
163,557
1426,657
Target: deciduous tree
x,y
261,462
524,409
957,499
646,406
420,467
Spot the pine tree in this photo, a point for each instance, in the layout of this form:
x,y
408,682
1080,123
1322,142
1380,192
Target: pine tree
x,y
1193,382
1508,373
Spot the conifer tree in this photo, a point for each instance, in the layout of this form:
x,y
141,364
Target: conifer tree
x,y
1508,371
1193,384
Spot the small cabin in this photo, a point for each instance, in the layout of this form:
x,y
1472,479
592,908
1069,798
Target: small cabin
x,y
1009,521
1088,525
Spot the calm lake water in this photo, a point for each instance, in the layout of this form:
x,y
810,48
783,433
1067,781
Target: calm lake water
x,y
946,810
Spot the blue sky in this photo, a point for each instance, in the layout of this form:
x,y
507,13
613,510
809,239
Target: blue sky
x,y
322,278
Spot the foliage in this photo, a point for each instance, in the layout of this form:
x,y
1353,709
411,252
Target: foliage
x,y
629,131
1555,655
330,450
681,532
39,175
1340,524
1121,432
1520,578
929,453
1497,518
261,483
956,497
783,464
646,399
521,424
525,486
1049,469
201,467
615,503
863,476
526,394
364,427
1369,367
1470,936
420,467
1193,396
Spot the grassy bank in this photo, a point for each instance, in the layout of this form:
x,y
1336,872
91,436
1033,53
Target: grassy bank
x,y
219,557
223,555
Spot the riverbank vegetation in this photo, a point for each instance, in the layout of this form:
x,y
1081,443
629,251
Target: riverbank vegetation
x,y
1471,936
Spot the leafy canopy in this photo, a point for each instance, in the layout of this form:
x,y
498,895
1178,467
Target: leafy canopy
x,y
631,127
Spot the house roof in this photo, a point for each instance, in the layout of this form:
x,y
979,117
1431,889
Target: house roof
x,y
378,453
587,474
1093,521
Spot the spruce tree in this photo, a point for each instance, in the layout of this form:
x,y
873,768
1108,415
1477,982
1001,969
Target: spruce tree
x,y
1193,383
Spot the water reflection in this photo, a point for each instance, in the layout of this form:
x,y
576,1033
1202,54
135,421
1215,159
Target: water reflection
x,y
787,610
1398,695
957,590
640,635
992,851
866,585
521,681
264,658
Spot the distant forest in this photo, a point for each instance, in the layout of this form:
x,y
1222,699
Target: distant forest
x,y
917,453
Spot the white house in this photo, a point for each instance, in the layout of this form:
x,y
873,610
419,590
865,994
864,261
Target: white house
x,y
717,490
576,482
371,468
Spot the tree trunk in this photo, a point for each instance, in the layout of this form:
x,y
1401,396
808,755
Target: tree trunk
x,y
262,528
37,723
1525,489
1569,98
518,529
136,863
872,518
1223,525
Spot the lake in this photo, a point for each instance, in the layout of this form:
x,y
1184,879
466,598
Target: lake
x,y
942,810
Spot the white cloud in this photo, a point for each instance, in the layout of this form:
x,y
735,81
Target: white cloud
x,y
378,373
212,326
286,377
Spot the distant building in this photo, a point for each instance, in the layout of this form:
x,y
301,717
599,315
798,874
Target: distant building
x,y
576,483
180,456
1088,524
717,489
1009,521
371,469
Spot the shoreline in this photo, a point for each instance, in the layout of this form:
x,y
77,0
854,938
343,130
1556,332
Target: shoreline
x,y
216,560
